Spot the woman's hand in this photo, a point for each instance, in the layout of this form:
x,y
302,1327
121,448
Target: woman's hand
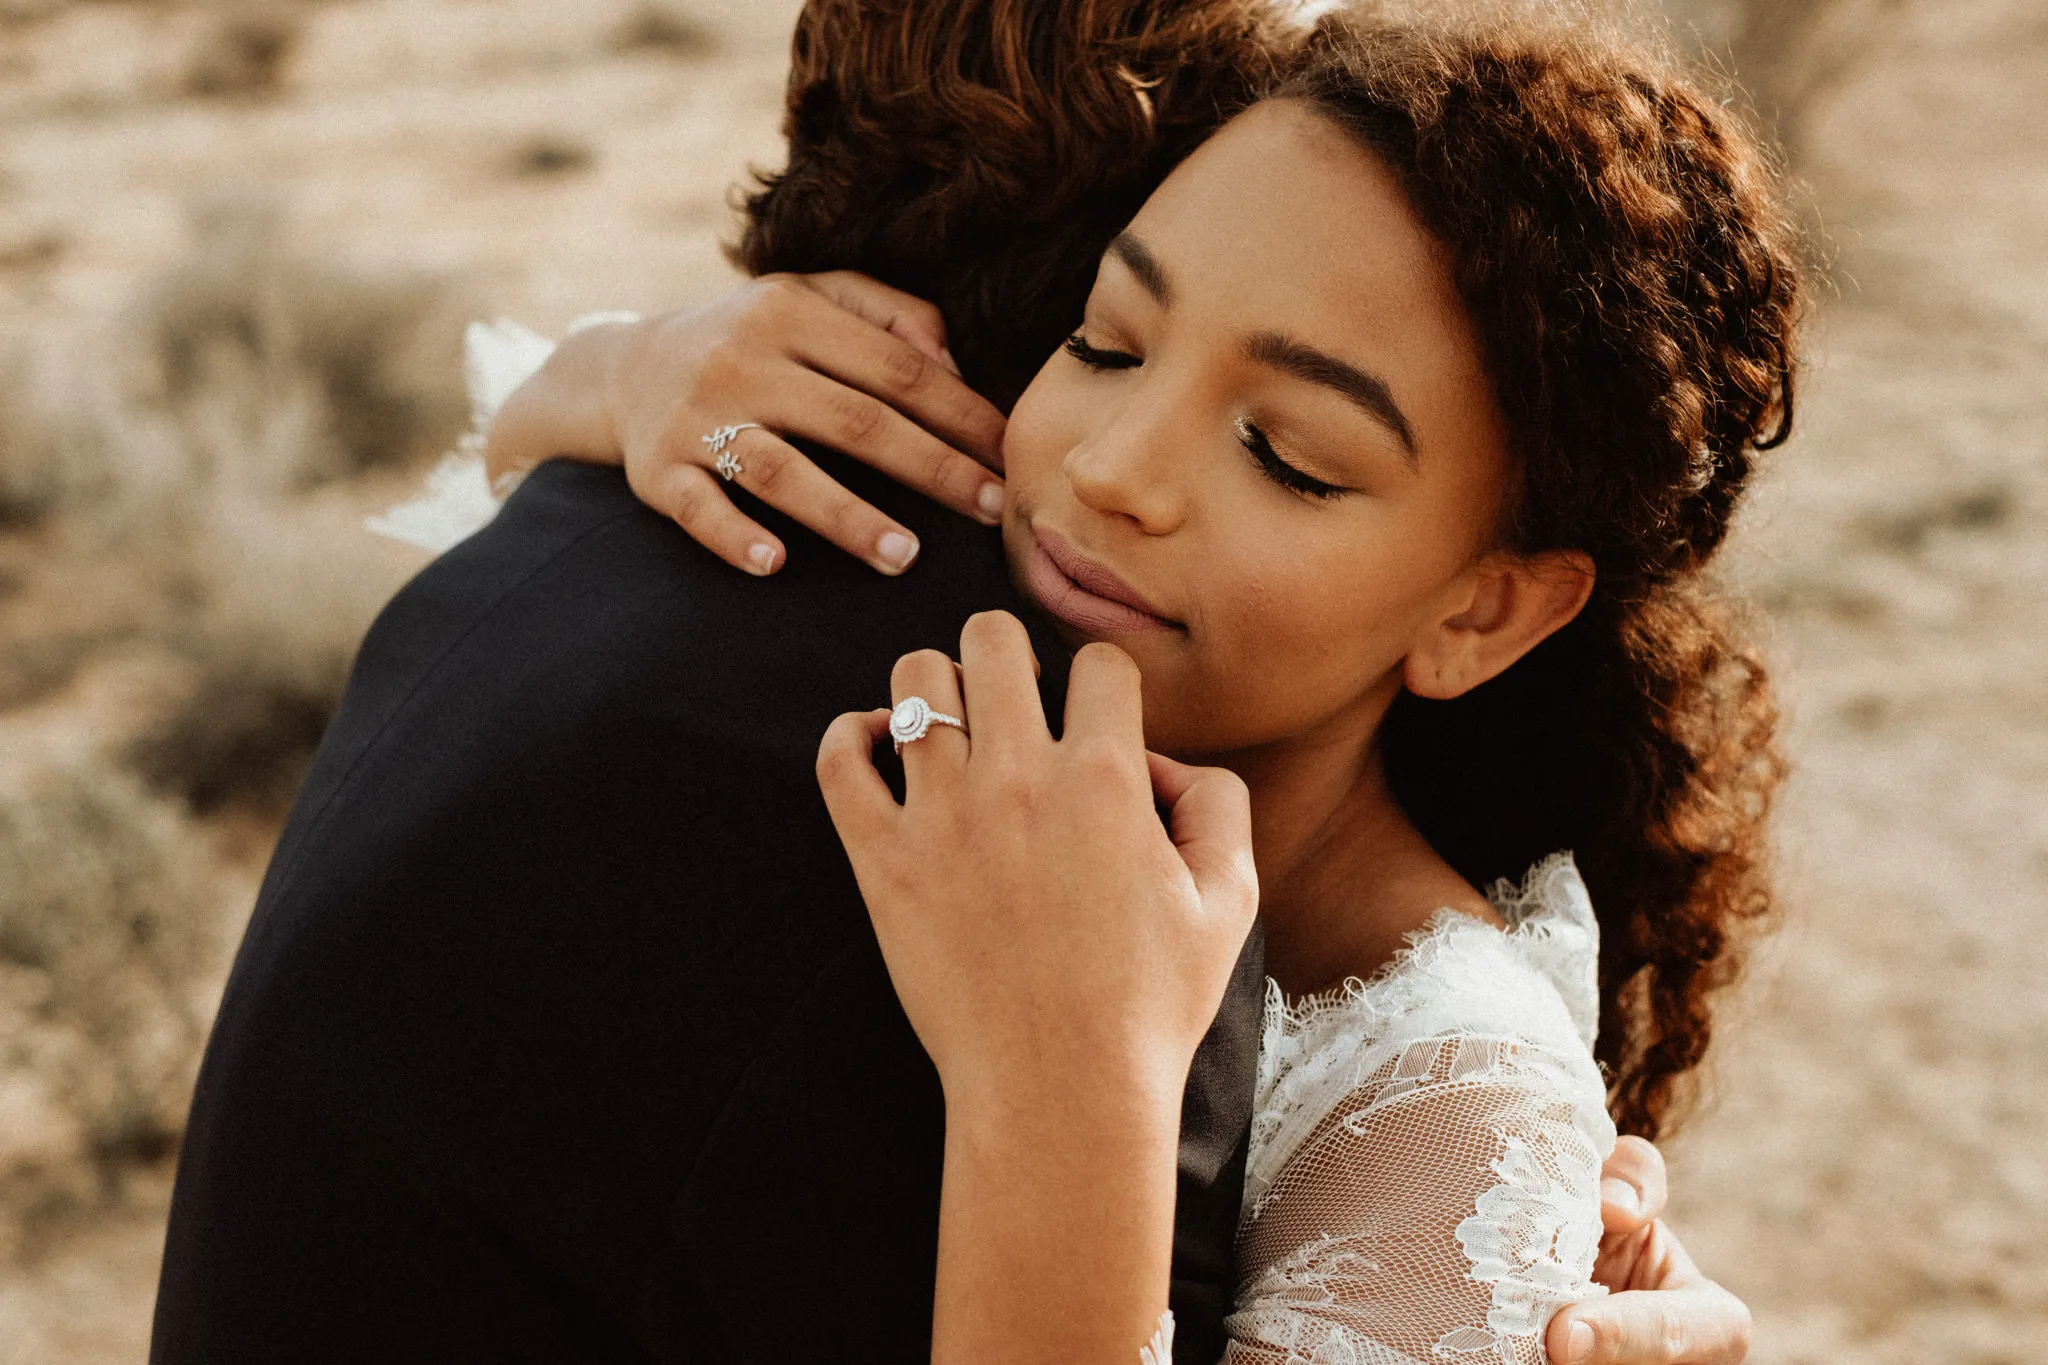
x,y
839,359
1060,955
1039,921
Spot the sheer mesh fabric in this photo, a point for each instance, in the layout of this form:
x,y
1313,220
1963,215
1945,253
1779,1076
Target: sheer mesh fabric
x,y
1424,1179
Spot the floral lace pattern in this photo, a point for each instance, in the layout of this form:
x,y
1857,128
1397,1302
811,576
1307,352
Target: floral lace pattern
x,y
1426,1146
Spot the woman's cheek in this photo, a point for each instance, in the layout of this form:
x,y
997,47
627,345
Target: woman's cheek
x,y
1314,630
1047,421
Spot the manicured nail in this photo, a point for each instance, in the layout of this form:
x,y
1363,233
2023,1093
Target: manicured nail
x,y
990,500
896,550
761,559
946,355
1622,1195
1578,1344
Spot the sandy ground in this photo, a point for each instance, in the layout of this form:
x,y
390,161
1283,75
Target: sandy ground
x,y
1872,1174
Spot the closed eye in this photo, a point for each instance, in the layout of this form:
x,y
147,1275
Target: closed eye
x,y
1278,470
1095,358
1254,440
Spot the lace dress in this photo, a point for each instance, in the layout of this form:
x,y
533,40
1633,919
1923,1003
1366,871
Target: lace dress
x,y
1423,1181
1424,1175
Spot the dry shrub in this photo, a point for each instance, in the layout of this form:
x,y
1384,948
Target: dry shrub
x,y
243,735
665,28
35,666
32,466
242,54
54,448
220,552
28,11
286,374
110,941
278,593
34,252
250,389
549,155
273,596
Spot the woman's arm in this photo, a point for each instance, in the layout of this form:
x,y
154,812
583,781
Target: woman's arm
x,y
838,359
1055,1226
1060,955
1443,1204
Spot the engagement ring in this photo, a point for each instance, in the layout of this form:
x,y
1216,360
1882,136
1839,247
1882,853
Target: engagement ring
x,y
913,719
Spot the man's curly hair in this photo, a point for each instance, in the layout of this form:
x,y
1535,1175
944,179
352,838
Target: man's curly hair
x,y
981,153
1617,237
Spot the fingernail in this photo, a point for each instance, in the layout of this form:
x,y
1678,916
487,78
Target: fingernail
x,y
946,355
896,550
1622,1195
1578,1344
761,559
990,500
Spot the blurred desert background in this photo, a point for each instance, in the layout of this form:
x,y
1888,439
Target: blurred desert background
x,y
238,243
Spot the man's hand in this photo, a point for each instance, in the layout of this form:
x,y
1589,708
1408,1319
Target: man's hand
x,y
1662,1310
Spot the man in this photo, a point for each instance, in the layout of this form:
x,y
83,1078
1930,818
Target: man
x,y
559,1032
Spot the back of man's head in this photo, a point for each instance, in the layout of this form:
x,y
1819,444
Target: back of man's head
x,y
982,153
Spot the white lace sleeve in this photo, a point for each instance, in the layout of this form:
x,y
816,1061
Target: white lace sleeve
x,y
1426,1160
460,501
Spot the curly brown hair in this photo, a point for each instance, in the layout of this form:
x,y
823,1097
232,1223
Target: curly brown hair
x,y
1617,237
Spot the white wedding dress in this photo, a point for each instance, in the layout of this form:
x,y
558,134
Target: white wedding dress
x,y
1424,1175
1423,1179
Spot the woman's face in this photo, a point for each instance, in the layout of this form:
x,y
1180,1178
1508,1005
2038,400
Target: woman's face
x,y
1270,461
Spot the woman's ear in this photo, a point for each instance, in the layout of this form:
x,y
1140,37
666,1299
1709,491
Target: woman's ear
x,y
1510,604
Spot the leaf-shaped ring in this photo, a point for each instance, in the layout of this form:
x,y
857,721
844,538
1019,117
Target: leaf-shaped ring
x,y
728,463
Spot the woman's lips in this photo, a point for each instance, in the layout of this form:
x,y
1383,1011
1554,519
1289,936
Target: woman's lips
x,y
1085,594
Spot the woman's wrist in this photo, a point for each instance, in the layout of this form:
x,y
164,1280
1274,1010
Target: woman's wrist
x,y
1106,1092
566,408
1056,1230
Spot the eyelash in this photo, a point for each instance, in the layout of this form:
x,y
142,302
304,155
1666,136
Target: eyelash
x,y
1097,359
1278,470
1254,440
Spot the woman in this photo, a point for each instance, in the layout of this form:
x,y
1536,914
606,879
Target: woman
x,y
1399,428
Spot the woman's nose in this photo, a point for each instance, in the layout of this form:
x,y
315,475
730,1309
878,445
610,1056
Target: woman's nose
x,y
1126,469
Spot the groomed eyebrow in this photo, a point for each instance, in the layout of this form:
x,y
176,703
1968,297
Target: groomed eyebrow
x,y
1283,353
1138,258
1368,391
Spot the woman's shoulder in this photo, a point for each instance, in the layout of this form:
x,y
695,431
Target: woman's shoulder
x,y
1465,1001
1537,975
1536,981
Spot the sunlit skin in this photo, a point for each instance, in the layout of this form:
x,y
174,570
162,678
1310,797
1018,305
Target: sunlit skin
x,y
1280,284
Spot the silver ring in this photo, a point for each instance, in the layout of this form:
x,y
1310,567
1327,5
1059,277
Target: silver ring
x,y
716,442
913,719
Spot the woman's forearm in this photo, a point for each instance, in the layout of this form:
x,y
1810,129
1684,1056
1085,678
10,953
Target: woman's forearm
x,y
1060,954
1056,1229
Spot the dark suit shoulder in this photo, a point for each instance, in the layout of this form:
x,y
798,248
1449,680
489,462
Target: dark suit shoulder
x,y
558,871
579,597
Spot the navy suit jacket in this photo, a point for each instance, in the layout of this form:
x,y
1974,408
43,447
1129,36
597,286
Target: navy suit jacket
x,y
559,1032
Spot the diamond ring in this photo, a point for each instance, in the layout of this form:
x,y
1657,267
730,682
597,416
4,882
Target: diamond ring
x,y
716,441
913,719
